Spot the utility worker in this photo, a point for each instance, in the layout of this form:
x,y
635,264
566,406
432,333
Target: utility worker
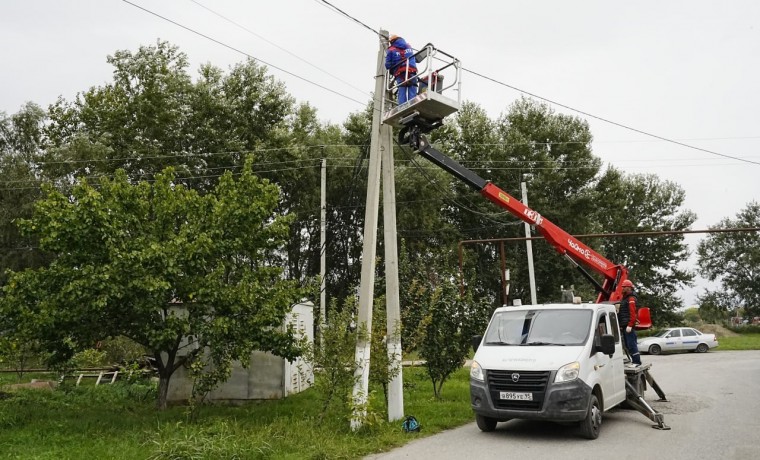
x,y
627,321
399,59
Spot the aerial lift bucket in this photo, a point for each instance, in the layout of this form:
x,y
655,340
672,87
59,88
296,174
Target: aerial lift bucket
x,y
435,100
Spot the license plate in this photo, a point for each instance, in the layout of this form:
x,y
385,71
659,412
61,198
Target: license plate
x,y
516,396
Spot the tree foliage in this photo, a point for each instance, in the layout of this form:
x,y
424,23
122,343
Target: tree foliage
x,y
717,306
733,259
180,273
21,144
446,329
645,203
153,116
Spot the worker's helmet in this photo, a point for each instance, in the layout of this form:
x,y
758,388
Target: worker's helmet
x,y
392,38
627,283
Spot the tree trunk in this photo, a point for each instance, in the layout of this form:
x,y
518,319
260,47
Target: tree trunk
x,y
163,389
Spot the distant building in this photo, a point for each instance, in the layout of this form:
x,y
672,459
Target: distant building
x,y
267,376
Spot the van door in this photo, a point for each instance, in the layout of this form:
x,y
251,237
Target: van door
x,y
618,368
603,364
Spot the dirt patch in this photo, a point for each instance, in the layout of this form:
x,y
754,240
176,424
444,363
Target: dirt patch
x,y
717,329
38,385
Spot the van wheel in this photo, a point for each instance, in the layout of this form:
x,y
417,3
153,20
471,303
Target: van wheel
x,y
593,422
702,348
655,350
485,424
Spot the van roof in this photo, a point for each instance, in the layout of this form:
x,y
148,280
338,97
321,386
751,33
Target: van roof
x,y
557,306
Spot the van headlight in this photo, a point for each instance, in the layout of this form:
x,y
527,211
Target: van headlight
x,y
476,372
566,373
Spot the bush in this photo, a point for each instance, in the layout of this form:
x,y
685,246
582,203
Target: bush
x,y
333,360
123,350
88,358
745,328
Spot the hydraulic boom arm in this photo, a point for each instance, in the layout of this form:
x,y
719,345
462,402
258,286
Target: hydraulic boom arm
x,y
566,244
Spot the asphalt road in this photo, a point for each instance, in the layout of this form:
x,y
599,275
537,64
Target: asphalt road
x,y
713,411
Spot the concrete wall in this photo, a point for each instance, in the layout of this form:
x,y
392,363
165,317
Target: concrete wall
x,y
267,376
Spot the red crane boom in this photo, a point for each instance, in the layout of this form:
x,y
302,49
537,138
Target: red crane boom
x,y
573,249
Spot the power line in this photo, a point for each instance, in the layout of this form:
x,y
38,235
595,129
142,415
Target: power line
x,y
606,120
356,168
343,13
243,52
202,155
278,46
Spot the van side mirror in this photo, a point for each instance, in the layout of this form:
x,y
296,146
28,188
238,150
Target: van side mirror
x,y
476,339
608,345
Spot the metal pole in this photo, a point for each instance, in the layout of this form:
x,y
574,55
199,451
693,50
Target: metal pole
x,y
323,250
529,248
369,250
503,270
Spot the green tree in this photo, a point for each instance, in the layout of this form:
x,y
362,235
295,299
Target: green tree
x,y
446,329
692,315
180,273
21,144
333,360
152,115
529,138
645,203
717,306
732,259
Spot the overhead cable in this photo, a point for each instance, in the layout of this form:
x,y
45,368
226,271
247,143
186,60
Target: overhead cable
x,y
243,52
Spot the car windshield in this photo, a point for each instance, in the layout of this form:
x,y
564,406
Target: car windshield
x,y
662,333
539,327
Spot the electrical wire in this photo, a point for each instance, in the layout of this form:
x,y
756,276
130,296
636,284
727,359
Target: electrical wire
x,y
230,47
446,194
478,74
606,120
280,47
343,13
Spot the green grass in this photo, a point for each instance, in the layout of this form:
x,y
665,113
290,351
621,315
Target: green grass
x,y
120,422
742,342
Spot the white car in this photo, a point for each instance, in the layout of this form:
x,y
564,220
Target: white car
x,y
677,339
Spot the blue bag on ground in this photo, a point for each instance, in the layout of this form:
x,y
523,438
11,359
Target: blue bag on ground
x,y
410,424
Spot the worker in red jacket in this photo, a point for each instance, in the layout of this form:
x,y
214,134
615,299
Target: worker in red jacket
x,y
399,59
627,321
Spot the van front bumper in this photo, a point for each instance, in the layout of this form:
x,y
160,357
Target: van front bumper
x,y
561,402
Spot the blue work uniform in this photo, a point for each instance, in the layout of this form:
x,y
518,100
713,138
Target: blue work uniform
x,y
399,59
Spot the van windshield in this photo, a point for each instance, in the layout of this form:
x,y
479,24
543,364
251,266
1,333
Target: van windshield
x,y
539,327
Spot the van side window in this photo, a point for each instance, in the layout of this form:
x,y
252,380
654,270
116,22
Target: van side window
x,y
599,330
615,328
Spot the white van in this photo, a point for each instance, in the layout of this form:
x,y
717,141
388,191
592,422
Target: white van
x,y
557,362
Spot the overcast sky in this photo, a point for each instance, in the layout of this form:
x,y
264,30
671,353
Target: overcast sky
x,y
684,70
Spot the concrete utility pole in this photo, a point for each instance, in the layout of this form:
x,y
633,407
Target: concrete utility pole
x,y
529,245
367,284
393,310
323,249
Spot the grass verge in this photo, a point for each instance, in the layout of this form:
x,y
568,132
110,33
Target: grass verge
x,y
119,421
741,342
